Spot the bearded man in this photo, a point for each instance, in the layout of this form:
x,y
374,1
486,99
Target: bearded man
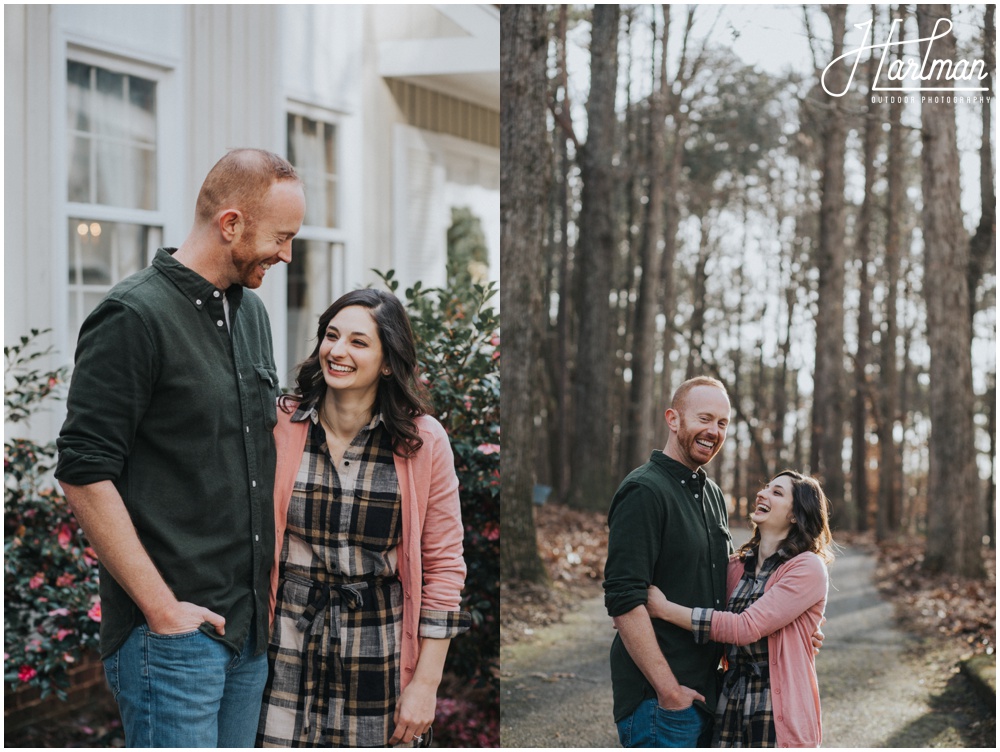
x,y
669,527
167,459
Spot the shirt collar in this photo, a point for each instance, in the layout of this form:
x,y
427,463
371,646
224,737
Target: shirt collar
x,y
750,559
192,285
310,412
679,470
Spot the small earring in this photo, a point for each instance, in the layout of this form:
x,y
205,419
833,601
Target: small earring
x,y
386,372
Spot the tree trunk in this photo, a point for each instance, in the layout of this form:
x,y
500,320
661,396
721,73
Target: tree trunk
x,y
890,484
593,479
563,419
991,487
859,433
696,324
984,242
523,181
643,415
954,530
828,400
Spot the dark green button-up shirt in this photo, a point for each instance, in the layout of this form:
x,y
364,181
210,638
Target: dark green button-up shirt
x,y
176,408
669,528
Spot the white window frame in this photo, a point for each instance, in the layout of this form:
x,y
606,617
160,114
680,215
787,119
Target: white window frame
x,y
323,115
344,269
169,156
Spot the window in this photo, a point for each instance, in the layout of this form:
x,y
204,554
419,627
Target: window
x,y
112,220
101,254
316,276
312,148
112,137
315,280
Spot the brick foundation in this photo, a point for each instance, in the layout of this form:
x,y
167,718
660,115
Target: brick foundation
x,y
87,689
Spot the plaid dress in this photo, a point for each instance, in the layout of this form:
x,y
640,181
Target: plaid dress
x,y
335,645
743,716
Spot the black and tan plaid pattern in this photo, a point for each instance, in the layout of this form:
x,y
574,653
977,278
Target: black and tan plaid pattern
x,y
743,716
443,625
335,646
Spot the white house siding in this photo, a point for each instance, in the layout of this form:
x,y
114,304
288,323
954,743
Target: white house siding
x,y
229,75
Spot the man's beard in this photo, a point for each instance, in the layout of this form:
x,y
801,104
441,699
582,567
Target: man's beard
x,y
247,262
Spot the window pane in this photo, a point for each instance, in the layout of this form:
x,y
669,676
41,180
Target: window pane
x,y
101,254
142,97
142,173
332,220
90,253
330,143
110,114
292,138
77,96
312,149
113,159
315,279
79,169
111,176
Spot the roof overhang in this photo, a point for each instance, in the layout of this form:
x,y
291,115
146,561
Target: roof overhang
x,y
467,67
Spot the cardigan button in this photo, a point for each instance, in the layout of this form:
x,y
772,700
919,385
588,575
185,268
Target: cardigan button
x,y
407,595
409,635
409,670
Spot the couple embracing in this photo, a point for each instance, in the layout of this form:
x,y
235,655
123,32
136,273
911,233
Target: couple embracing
x,y
284,570
685,605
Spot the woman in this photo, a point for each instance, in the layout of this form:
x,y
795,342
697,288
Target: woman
x,y
777,585
368,569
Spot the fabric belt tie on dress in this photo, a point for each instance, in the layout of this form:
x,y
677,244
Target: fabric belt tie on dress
x,y
739,680
321,593
743,671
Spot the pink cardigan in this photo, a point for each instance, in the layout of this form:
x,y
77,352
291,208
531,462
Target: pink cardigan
x,y
788,612
431,567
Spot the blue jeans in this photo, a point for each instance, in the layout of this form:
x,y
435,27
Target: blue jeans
x,y
652,726
186,690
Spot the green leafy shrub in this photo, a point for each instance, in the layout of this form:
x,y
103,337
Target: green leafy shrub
x,y
458,345
51,605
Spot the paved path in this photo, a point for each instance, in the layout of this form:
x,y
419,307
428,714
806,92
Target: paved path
x,y
556,689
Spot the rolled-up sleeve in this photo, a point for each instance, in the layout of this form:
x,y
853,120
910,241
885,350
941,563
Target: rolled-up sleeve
x,y
635,523
701,625
108,395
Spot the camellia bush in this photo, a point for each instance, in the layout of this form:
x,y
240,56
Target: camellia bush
x,y
52,611
458,346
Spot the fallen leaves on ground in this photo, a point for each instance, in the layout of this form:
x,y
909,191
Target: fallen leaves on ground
x,y
573,546
945,607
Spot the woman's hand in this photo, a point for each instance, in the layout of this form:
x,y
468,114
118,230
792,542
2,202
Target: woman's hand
x,y
656,603
818,637
414,712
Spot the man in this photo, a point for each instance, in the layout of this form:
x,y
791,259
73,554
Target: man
x,y
669,527
167,460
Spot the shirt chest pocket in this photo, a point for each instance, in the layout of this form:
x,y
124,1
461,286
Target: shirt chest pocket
x,y
267,385
722,540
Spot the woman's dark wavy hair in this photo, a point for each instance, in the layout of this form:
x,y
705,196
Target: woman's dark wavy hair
x,y
811,512
401,398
